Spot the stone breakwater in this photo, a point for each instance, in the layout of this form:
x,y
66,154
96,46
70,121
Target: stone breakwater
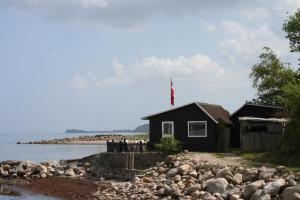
x,y
180,178
85,139
28,169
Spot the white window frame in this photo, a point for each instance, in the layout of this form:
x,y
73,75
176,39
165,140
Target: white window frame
x,y
190,122
162,129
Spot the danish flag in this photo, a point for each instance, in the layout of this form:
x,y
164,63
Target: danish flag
x,y
172,94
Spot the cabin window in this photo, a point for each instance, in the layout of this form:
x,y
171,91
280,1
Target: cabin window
x,y
197,129
167,128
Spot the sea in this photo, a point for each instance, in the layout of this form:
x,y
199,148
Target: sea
x,y
10,150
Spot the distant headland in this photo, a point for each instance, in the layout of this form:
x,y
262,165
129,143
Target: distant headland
x,y
140,129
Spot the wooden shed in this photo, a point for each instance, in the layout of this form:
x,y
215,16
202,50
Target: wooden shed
x,y
198,126
259,117
260,134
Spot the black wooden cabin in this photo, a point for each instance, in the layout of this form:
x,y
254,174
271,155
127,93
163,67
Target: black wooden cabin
x,y
198,126
254,111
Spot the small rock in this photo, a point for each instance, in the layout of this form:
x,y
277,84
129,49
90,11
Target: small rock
x,y
193,174
193,188
237,179
224,173
184,169
185,151
195,194
147,179
172,172
177,178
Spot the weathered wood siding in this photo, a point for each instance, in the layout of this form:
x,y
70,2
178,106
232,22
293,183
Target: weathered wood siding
x,y
259,141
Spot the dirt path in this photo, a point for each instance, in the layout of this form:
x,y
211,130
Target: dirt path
x,y
228,159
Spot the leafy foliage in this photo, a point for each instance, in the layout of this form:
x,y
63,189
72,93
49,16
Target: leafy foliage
x,y
169,146
292,28
270,76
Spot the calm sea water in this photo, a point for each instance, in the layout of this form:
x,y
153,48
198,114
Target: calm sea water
x,y
9,150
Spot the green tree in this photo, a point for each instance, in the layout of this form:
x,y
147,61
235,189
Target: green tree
x,y
270,76
288,150
292,27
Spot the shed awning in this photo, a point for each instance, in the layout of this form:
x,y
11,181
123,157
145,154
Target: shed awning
x,y
256,119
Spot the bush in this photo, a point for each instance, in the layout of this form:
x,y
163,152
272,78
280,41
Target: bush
x,y
169,146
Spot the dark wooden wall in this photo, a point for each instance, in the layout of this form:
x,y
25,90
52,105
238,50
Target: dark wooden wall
x,y
249,111
180,117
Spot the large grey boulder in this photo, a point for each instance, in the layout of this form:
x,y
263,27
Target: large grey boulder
x,y
272,188
251,174
291,193
252,187
218,185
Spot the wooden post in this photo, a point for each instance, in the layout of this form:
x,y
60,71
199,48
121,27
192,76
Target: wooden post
x,y
113,142
130,160
141,147
126,161
125,146
120,146
107,146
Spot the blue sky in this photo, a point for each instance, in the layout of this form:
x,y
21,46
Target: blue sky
x,y
103,64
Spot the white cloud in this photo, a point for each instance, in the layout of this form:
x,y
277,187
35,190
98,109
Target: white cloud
x,y
198,69
78,82
243,43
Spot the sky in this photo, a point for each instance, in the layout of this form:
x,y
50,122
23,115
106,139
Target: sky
x,y
104,64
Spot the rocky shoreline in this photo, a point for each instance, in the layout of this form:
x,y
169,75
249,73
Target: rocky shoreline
x,y
177,177
85,139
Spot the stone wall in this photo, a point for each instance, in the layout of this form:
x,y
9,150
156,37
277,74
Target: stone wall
x,y
122,165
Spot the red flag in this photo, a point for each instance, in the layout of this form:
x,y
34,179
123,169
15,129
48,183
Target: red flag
x,y
172,94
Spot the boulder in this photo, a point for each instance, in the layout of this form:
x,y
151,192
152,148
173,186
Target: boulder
x,y
184,169
195,194
224,173
172,172
59,173
208,196
252,187
40,169
265,197
291,193
257,194
272,188
193,174
237,178
218,185
147,179
281,169
193,188
251,174
235,197
70,172
177,178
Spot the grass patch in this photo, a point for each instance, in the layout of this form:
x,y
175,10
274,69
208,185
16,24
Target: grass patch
x,y
144,136
267,159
